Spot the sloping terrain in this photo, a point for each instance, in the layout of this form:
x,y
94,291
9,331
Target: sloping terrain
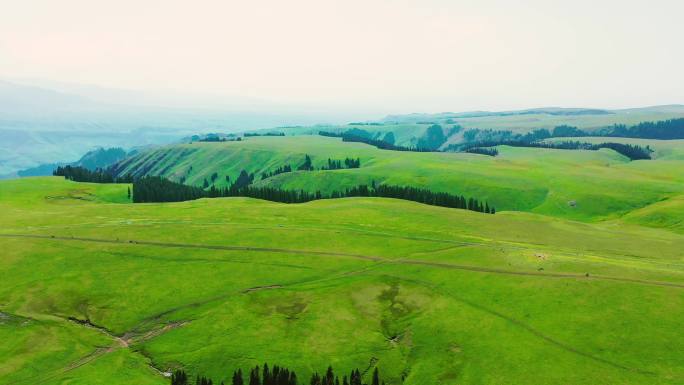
x,y
429,295
409,129
583,185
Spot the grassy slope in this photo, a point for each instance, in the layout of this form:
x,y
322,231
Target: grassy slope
x,y
408,128
536,180
405,134
524,123
435,324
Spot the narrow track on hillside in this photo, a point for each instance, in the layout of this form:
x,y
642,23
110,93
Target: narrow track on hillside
x,y
118,342
523,325
195,246
374,258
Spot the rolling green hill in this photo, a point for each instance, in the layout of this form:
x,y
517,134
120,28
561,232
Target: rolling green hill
x,y
583,185
409,129
428,295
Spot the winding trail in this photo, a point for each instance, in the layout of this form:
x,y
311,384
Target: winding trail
x,y
151,327
375,258
525,326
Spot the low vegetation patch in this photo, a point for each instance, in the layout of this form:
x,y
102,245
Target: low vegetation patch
x,y
280,376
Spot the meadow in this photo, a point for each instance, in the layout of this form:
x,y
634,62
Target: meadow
x,y
579,185
427,295
408,128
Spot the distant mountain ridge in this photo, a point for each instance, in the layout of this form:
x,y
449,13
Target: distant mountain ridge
x,y
40,125
555,111
100,158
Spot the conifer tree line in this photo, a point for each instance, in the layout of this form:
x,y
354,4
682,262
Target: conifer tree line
x,y
159,189
632,151
279,170
248,134
664,129
82,174
280,376
150,189
217,139
334,164
381,144
416,194
490,151
307,165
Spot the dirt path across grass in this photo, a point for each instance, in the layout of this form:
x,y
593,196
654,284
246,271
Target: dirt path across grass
x,y
375,258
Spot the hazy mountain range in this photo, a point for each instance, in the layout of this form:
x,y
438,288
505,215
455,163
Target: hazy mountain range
x,y
48,122
48,125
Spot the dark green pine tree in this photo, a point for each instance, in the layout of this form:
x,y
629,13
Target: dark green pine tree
x,y
266,378
254,376
237,378
376,377
179,378
329,378
129,192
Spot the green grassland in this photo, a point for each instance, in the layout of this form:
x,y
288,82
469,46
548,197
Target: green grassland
x,y
601,183
407,129
662,149
589,122
405,134
428,295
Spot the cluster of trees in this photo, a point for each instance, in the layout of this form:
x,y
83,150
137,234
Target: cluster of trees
x,y
279,376
279,170
433,138
337,164
265,193
365,124
491,151
217,139
158,189
476,136
243,180
664,129
329,378
248,134
206,183
565,131
381,144
307,165
416,194
82,174
633,152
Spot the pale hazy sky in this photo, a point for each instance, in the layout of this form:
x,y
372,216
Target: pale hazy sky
x,y
368,55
